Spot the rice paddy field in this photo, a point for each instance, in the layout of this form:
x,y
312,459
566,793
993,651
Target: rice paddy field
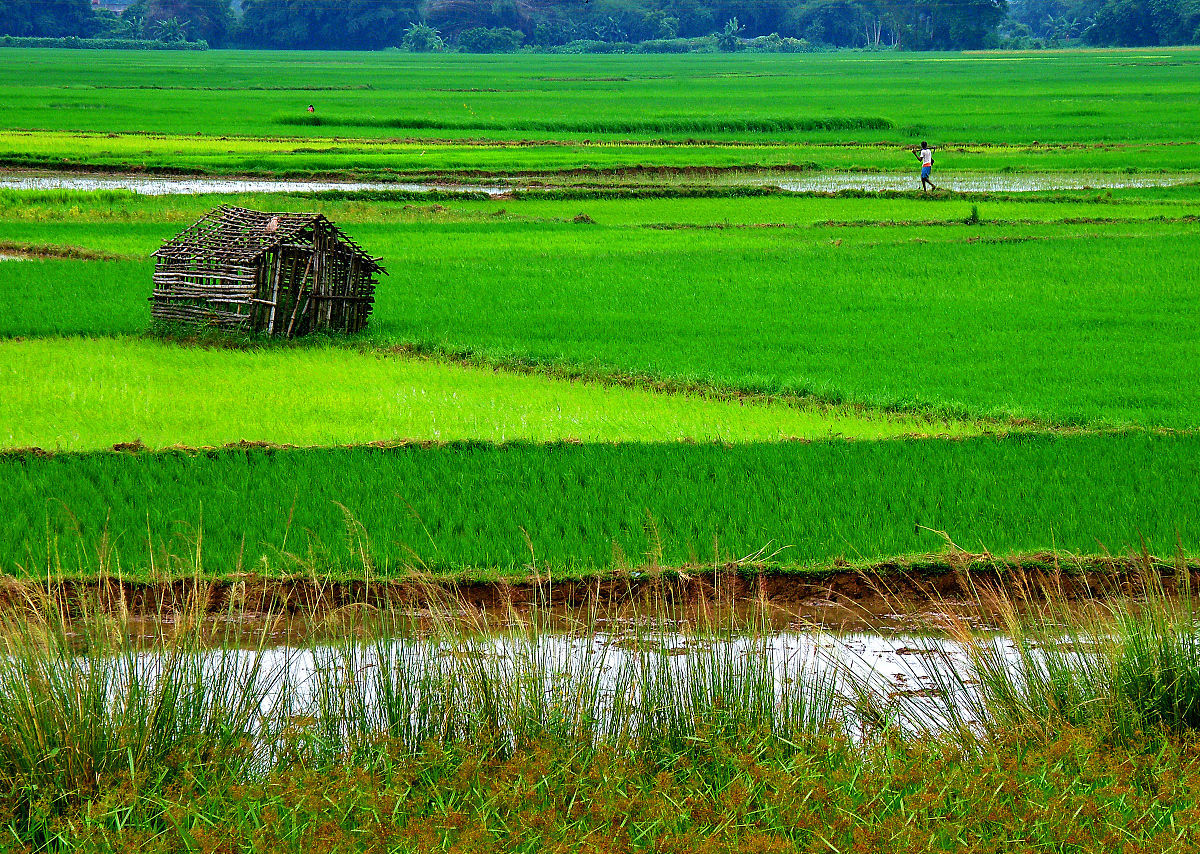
x,y
740,322
652,325
245,112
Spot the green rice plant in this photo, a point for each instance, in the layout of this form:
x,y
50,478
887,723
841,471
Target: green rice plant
x,y
721,125
1009,321
332,395
475,509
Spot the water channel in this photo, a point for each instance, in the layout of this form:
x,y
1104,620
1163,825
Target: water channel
x,y
927,681
824,182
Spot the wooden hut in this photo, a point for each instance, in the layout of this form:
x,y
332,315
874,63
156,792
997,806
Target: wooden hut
x,y
284,274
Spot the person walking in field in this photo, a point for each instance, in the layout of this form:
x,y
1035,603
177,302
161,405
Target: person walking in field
x,y
925,155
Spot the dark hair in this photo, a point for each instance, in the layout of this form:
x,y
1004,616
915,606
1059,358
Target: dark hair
x,y
924,144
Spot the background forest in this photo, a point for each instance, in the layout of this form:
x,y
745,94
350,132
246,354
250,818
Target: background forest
x,y
495,26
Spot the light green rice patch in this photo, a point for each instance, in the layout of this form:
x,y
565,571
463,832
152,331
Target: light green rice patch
x,y
79,394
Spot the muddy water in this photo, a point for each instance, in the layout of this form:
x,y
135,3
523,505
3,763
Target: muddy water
x,y
196,186
919,677
820,182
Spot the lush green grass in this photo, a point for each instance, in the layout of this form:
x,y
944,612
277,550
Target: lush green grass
x,y
1139,97
56,295
91,394
398,159
480,509
1085,324
1075,792
1060,96
120,221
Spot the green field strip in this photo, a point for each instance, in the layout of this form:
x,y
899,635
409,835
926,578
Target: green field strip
x,y
92,394
112,240
1052,96
480,509
134,223
1079,326
201,155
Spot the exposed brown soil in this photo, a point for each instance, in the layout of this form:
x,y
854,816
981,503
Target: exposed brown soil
x,y
884,595
78,253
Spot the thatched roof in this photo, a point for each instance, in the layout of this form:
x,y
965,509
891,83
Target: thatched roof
x,y
240,236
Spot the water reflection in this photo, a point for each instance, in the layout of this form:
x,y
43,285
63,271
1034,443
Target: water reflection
x,y
823,182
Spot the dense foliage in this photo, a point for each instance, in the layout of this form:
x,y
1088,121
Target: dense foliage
x,y
490,26
76,43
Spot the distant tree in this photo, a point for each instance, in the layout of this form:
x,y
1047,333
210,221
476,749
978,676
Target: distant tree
x,y
756,17
968,23
490,40
326,24
695,17
943,24
1145,22
171,30
210,20
842,23
47,18
730,38
454,16
110,25
422,38
374,24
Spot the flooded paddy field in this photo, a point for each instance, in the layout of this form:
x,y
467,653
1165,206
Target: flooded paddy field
x,y
167,186
820,182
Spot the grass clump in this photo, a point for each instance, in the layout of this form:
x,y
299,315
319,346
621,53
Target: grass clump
x,y
1129,665
87,714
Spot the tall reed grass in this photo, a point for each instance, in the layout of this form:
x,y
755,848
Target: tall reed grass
x,y
89,706
84,709
504,682
1129,661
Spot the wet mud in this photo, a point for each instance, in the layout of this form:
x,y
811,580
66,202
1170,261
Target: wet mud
x,y
888,596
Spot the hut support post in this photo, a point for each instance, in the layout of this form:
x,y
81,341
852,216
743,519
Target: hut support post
x,y
297,311
277,273
354,308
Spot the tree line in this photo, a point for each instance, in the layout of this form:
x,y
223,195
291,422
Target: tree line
x,y
506,25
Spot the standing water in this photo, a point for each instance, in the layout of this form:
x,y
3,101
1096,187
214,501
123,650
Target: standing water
x,y
825,182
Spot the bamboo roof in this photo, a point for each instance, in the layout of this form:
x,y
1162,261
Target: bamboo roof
x,y
240,236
